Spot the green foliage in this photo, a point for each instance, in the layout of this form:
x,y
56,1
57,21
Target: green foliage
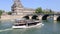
x,y
1,11
9,13
51,12
48,12
38,10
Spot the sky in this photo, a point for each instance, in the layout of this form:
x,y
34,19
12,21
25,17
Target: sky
x,y
45,4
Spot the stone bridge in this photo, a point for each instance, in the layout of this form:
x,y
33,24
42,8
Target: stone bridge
x,y
39,16
43,16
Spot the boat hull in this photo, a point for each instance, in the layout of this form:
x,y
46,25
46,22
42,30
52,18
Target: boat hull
x,y
39,24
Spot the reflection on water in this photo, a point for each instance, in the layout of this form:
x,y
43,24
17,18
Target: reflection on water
x,y
50,27
55,26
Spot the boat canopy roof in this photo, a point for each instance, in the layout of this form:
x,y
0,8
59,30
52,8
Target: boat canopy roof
x,y
20,19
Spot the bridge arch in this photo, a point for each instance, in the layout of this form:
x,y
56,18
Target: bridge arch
x,y
34,17
26,17
58,18
45,17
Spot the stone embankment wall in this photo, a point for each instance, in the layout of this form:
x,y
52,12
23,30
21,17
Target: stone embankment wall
x,y
10,17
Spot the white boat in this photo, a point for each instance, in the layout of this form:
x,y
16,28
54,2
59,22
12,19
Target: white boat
x,y
27,24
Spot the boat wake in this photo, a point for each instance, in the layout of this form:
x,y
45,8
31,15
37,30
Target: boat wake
x,y
6,29
40,26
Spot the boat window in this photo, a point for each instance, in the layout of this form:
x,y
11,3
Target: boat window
x,y
20,24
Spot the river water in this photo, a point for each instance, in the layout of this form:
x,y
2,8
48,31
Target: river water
x,y
50,27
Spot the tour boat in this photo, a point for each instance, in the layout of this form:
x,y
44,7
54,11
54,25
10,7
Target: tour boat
x,y
27,24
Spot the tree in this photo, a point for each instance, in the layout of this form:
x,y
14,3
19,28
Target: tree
x,y
51,12
9,13
1,11
38,10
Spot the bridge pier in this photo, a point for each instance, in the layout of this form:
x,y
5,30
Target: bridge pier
x,y
40,17
30,17
55,17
